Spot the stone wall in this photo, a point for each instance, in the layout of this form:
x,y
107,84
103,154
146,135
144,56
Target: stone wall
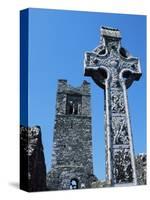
x,y
141,168
32,162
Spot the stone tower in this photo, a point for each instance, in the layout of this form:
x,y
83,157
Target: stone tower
x,y
114,69
72,165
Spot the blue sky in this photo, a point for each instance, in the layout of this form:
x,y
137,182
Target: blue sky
x,y
57,42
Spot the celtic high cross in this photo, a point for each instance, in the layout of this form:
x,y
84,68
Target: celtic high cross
x,y
114,69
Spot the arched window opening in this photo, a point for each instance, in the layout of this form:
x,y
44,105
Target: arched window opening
x,y
76,109
73,106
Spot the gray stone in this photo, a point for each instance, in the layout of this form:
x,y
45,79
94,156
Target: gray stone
x,y
114,69
141,169
32,161
72,165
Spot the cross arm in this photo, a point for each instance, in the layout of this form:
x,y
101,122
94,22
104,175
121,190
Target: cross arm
x,y
94,66
130,70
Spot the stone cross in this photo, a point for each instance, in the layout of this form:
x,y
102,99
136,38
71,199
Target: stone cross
x,y
114,69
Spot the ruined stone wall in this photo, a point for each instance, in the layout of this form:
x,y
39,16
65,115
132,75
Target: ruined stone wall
x,y
141,168
32,161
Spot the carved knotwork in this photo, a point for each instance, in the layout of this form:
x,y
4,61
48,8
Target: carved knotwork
x,y
117,102
115,84
122,170
119,130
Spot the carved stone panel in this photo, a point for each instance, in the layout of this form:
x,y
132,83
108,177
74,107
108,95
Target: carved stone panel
x,y
117,101
115,83
119,131
122,167
112,44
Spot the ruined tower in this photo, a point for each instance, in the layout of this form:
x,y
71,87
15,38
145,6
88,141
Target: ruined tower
x,y
72,165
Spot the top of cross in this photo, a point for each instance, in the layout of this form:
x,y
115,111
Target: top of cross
x,y
111,61
110,32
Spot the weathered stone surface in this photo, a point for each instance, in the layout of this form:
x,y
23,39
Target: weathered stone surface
x,y
141,172
114,69
141,168
32,162
72,165
100,184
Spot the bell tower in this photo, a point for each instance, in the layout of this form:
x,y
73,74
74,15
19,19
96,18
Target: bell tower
x,y
72,165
